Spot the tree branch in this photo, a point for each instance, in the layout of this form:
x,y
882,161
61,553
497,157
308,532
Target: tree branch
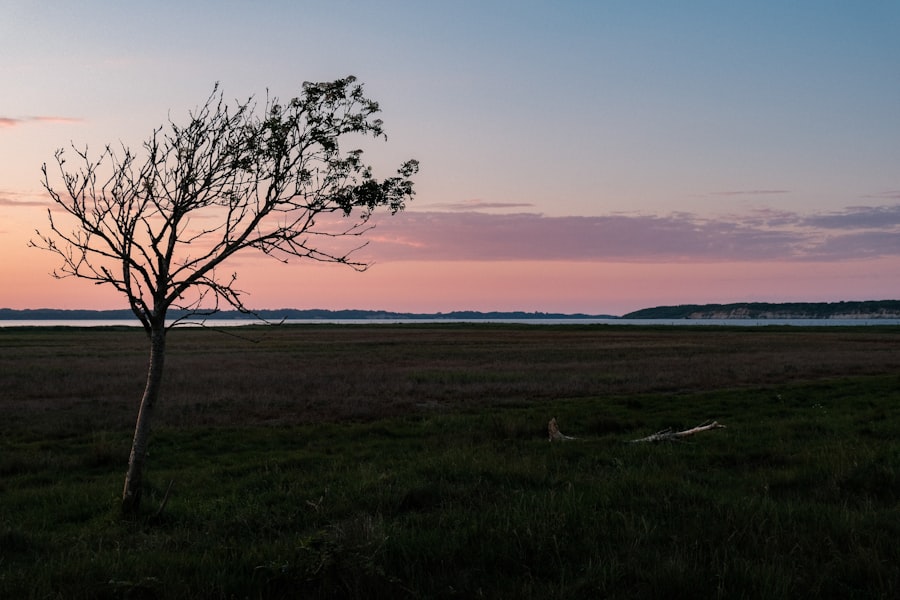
x,y
159,227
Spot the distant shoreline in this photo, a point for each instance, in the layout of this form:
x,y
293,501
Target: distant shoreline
x,y
39,314
862,310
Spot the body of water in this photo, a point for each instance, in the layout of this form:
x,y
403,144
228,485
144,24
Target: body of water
x,y
215,323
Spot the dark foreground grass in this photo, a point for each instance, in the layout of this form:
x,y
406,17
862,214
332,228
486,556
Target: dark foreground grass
x,y
797,498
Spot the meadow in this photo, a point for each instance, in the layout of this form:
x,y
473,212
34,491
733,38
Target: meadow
x,y
412,461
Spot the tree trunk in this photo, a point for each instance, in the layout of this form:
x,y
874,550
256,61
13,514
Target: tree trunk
x,y
131,495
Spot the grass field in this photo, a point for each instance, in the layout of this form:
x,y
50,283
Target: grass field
x,y
412,461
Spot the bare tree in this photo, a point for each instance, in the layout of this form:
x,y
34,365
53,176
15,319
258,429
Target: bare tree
x,y
159,226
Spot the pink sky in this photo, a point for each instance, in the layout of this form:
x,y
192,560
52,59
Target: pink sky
x,y
592,157
443,261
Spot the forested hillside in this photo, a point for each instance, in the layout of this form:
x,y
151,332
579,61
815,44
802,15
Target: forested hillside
x,y
872,309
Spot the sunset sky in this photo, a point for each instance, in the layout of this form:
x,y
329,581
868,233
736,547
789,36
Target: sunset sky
x,y
576,156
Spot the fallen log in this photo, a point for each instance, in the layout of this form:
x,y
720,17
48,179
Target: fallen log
x,y
667,435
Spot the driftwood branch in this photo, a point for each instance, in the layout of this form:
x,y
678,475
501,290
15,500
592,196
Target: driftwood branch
x,y
554,434
667,435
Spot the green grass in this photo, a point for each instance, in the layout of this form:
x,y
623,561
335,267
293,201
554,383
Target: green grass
x,y
799,497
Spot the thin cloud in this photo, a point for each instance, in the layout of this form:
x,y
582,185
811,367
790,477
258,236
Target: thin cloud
x,y
887,195
750,192
861,217
681,237
469,205
17,121
868,244
857,232
7,199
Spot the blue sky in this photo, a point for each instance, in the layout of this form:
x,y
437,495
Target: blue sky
x,y
572,137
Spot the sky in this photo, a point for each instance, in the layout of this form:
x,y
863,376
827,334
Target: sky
x,y
576,156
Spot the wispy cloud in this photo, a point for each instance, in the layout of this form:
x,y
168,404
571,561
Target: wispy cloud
x,y
474,204
857,232
886,195
18,200
749,193
858,217
17,121
860,244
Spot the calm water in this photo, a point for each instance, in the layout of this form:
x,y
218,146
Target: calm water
x,y
672,322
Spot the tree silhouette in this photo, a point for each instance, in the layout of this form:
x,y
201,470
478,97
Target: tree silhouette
x,y
160,225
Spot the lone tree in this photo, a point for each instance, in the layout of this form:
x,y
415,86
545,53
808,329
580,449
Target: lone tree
x,y
160,225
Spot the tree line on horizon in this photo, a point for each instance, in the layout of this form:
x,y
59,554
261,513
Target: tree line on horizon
x,y
748,310
275,315
770,310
